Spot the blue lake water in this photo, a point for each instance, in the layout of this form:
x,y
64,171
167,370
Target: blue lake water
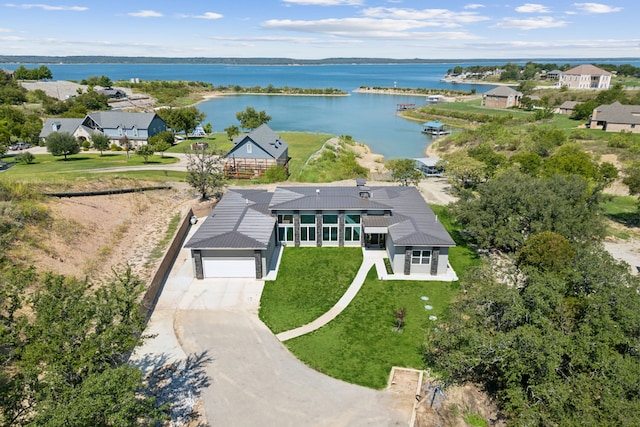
x,y
370,119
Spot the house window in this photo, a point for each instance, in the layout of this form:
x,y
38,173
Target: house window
x,y
285,228
420,257
352,228
330,228
249,148
308,228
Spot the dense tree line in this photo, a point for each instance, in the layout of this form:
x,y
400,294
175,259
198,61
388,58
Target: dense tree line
x,y
16,125
40,73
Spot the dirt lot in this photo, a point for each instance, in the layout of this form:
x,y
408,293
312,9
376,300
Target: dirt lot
x,y
89,236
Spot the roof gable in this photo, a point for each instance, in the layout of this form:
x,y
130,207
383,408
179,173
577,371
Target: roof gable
x,y
618,113
263,138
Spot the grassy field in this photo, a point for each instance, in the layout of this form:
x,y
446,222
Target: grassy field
x,y
301,147
310,281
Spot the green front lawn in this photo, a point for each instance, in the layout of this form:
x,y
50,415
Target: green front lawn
x,y
310,282
46,164
361,345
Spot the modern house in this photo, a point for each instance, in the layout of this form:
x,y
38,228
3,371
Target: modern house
x,y
585,76
252,154
616,117
567,107
241,236
137,127
430,166
501,97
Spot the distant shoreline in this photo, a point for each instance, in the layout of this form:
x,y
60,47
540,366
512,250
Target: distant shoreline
x,y
102,59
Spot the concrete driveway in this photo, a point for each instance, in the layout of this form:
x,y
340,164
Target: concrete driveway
x,y
253,380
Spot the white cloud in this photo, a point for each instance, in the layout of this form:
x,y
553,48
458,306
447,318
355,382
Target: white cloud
x,y
363,28
596,8
326,2
48,7
474,6
5,30
209,15
443,16
12,39
532,8
145,14
530,24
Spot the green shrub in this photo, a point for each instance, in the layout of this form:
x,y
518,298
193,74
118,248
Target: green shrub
x,y
86,145
25,158
115,147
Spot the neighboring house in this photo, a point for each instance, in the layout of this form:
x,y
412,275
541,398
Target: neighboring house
x,y
553,75
240,237
501,97
252,154
430,166
112,93
137,127
616,117
71,126
585,76
567,107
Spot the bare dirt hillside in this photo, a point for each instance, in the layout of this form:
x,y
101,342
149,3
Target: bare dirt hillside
x,y
89,236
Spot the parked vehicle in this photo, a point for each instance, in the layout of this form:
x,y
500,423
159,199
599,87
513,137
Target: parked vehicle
x,y
20,146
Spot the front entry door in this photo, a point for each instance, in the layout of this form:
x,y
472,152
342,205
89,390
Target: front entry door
x,y
376,241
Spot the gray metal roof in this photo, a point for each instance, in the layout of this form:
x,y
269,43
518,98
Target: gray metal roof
x,y
59,125
243,218
240,220
324,198
264,138
113,119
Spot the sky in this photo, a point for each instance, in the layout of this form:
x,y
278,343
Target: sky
x,y
316,29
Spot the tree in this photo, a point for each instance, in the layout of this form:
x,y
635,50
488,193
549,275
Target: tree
x,y
546,251
527,87
182,119
404,171
232,131
100,141
250,118
506,210
62,144
145,151
205,172
162,141
463,170
68,355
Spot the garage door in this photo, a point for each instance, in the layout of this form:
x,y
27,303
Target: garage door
x,y
229,267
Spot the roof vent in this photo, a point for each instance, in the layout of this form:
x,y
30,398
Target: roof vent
x,y
317,191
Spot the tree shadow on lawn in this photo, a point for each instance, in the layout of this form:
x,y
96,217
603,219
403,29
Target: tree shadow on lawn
x,y
178,384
